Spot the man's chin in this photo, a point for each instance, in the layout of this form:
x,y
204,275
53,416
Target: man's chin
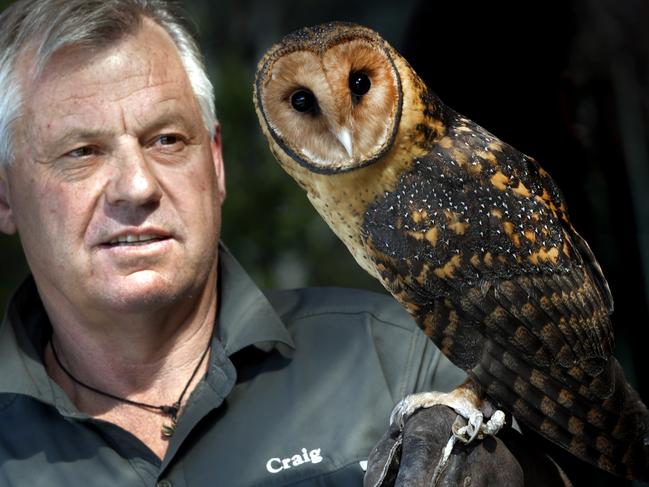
x,y
142,292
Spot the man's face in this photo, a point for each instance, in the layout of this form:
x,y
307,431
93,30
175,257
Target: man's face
x,y
117,187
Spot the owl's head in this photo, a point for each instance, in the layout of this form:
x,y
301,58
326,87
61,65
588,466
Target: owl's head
x,y
330,96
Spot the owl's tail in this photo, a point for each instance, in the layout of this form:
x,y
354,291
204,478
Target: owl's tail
x,y
598,418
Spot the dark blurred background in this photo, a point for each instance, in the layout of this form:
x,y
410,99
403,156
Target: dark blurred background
x,y
566,82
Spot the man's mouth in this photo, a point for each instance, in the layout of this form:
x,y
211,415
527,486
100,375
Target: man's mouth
x,y
133,240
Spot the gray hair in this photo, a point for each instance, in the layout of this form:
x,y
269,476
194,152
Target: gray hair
x,y
46,26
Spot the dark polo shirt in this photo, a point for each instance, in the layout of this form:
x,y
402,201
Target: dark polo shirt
x,y
299,388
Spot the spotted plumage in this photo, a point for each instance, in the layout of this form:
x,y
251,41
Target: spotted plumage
x,y
469,234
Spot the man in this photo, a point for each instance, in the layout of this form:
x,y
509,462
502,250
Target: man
x,y
138,354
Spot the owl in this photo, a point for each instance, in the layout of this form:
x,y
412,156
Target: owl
x,y
470,235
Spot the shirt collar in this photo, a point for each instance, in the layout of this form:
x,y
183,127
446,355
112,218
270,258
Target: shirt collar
x,y
245,315
22,340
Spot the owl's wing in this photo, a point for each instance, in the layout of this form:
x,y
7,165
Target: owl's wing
x,y
478,247
486,236
583,249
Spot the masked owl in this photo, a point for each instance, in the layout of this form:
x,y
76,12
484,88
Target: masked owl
x,y
469,234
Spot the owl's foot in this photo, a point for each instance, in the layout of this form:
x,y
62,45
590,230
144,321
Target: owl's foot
x,y
475,426
465,402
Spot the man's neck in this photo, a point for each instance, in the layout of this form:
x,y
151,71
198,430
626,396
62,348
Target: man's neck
x,y
143,358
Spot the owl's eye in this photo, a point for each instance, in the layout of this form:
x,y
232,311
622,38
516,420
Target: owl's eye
x,y
359,83
303,101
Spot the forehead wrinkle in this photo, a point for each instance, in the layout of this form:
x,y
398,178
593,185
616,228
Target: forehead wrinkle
x,y
157,97
119,93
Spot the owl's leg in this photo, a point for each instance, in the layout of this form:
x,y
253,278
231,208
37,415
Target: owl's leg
x,y
465,400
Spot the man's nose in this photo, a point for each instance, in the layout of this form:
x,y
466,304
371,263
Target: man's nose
x,y
133,180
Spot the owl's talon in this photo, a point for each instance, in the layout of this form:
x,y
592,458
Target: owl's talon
x,y
402,411
495,423
476,427
458,427
409,404
468,432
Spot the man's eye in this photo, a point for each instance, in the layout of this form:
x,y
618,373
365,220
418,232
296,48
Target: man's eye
x,y
84,151
169,143
168,139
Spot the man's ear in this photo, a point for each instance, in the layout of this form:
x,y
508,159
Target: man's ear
x,y
7,224
217,155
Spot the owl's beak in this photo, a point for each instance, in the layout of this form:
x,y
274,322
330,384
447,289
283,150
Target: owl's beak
x,y
344,136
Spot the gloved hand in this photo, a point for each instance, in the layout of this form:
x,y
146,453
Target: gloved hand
x,y
410,456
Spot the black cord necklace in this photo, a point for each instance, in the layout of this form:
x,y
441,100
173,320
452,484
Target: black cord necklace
x,y
168,410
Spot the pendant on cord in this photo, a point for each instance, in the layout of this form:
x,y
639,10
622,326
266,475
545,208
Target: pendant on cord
x,y
168,430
